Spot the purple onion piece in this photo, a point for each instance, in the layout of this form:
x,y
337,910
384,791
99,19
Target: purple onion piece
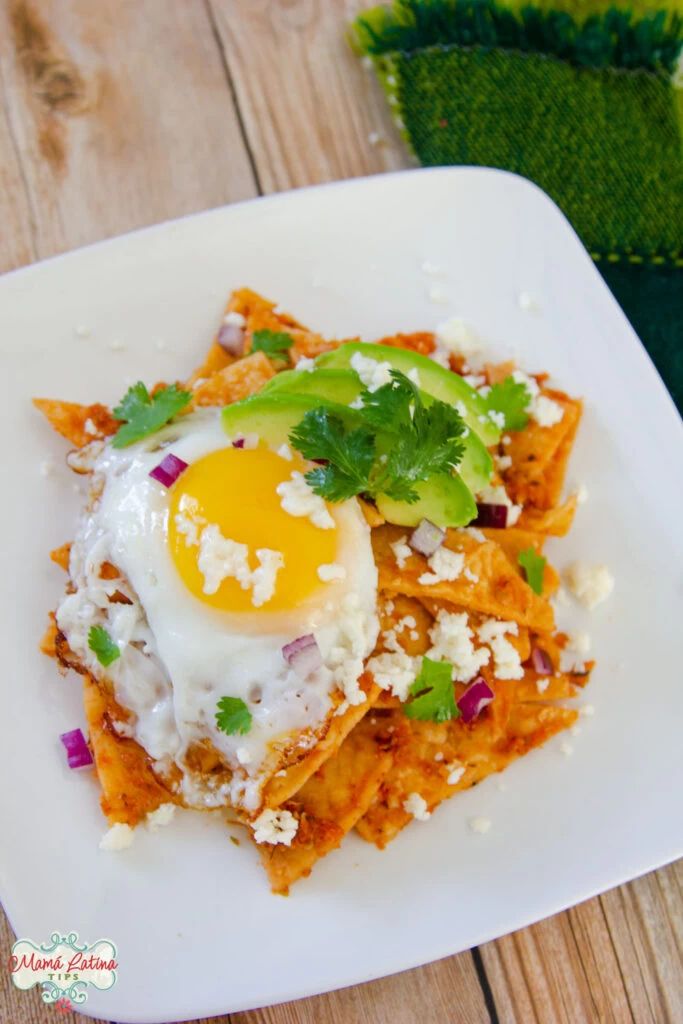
x,y
168,470
426,538
475,698
77,751
231,338
246,441
540,662
303,655
495,516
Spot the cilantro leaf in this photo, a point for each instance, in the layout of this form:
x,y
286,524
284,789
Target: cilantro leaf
x,y
233,716
434,696
510,397
348,454
274,344
533,565
399,442
102,645
144,414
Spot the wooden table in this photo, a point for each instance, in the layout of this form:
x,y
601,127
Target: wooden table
x,y
120,113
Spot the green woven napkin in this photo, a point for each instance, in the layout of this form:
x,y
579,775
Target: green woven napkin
x,y
588,106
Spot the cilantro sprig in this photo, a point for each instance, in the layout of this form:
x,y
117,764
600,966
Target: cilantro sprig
x,y
511,398
274,344
102,646
144,414
233,716
533,565
433,693
393,441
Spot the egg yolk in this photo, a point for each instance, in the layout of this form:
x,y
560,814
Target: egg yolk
x,y
235,489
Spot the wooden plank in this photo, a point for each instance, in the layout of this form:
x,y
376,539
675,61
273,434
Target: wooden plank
x,y
121,114
309,106
16,231
445,991
646,924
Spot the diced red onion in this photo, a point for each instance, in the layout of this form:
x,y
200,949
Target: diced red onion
x,y
77,751
475,698
426,537
303,655
246,441
495,516
231,338
168,470
540,662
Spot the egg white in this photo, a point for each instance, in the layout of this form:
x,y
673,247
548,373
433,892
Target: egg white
x,y
179,656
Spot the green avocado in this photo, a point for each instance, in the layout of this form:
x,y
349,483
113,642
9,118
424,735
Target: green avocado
x,y
337,385
343,386
444,500
273,416
435,380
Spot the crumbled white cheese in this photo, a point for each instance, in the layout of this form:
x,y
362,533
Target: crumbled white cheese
x,y
497,495
373,374
458,338
480,825
566,748
81,331
243,755
572,656
285,452
456,770
587,709
525,302
502,462
475,380
469,575
591,584
90,428
305,365
394,671
402,551
189,528
331,572
358,632
446,565
417,806
220,558
264,577
407,622
437,295
438,756
162,816
544,410
234,319
507,663
47,467
451,639
542,683
298,499
496,417
507,439
581,494
275,827
119,837
116,345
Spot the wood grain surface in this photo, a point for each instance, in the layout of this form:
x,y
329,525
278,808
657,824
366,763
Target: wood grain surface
x,y
120,113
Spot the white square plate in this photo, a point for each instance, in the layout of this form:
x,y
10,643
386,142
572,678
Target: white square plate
x,y
197,931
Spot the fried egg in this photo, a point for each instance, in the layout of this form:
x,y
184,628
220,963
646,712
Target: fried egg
x,y
202,584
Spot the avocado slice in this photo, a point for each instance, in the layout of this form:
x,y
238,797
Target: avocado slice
x,y
435,380
336,385
274,416
444,500
343,386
